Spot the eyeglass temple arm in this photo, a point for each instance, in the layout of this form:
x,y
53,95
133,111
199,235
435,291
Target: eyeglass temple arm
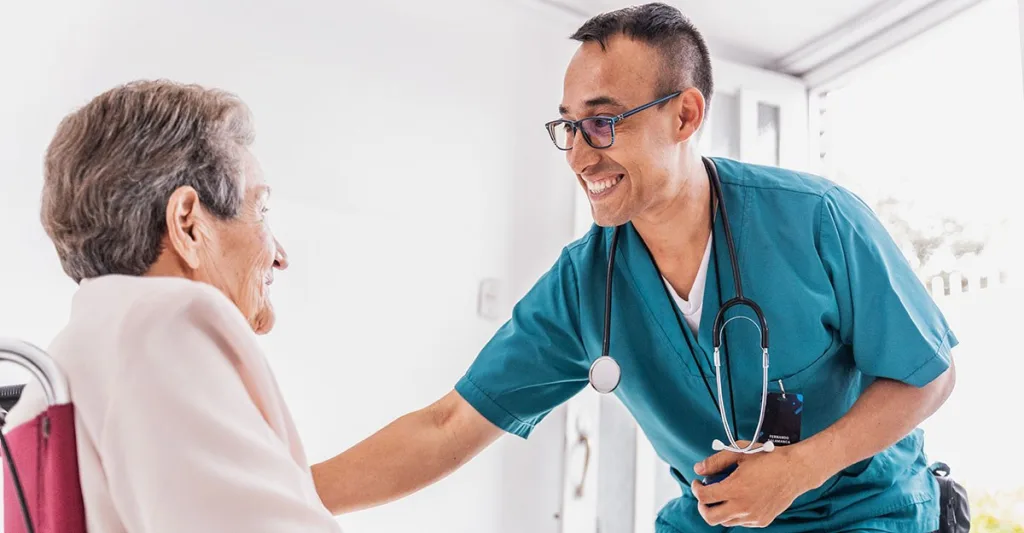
x,y
661,100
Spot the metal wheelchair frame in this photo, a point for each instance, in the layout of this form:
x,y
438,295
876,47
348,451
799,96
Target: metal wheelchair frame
x,y
55,388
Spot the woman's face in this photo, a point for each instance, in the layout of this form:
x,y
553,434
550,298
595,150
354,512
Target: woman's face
x,y
239,256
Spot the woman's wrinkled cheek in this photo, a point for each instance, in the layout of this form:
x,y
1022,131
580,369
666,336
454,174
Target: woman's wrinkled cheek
x,y
260,308
256,305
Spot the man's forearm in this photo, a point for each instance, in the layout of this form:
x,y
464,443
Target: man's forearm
x,y
380,469
886,412
403,457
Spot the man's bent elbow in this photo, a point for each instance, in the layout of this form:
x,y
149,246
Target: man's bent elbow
x,y
444,411
467,431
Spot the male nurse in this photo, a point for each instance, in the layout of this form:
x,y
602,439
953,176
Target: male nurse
x,y
860,354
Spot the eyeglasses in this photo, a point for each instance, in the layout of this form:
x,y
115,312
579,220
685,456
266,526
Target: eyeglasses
x,y
599,132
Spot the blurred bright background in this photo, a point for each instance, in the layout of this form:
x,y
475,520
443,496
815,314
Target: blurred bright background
x,y
419,197
930,134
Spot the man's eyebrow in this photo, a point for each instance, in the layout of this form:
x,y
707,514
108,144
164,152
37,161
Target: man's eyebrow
x,y
603,100
595,102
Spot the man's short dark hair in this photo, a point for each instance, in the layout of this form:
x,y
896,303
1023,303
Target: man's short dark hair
x,y
685,56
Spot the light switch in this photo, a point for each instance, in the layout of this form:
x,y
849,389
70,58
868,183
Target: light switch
x,y
489,301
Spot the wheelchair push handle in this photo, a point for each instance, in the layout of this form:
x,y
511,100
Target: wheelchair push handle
x,y
40,365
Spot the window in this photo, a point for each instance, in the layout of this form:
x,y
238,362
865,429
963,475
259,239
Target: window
x,y
930,135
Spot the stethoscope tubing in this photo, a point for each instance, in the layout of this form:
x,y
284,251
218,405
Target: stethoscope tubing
x,y
718,329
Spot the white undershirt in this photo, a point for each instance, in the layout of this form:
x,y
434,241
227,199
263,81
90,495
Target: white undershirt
x,y
691,308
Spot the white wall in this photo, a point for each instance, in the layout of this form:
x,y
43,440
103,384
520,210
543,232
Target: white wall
x,y
1022,34
405,145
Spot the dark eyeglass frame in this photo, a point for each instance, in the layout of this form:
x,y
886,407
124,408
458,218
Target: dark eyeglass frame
x,y
577,125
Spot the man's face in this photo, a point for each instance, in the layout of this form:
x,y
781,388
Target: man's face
x,y
641,169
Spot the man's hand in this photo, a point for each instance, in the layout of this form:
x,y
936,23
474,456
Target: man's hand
x,y
762,487
765,484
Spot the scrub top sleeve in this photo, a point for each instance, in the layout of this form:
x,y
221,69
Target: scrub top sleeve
x,y
536,360
885,313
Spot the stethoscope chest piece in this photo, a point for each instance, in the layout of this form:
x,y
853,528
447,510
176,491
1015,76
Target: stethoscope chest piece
x,y
605,374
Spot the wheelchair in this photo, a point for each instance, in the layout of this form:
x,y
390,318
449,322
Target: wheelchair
x,y
42,491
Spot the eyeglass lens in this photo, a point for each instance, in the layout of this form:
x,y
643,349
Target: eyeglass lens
x,y
597,130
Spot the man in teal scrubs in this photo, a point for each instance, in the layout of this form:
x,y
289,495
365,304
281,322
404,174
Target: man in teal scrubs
x,y
854,334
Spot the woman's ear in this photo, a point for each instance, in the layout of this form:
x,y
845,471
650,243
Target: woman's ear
x,y
691,113
184,225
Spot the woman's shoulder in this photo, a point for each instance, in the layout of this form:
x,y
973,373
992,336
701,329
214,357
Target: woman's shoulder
x,y
142,326
159,302
180,310
163,290
152,322
140,292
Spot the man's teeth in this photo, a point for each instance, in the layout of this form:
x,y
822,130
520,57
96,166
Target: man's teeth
x,y
603,185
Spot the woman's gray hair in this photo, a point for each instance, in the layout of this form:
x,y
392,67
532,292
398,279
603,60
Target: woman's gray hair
x,y
113,164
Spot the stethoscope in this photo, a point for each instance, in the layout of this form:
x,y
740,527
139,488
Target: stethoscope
x,y
605,373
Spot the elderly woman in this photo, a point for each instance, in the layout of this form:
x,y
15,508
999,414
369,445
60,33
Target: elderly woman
x,y
158,210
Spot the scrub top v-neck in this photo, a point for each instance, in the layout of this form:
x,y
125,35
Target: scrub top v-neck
x,y
691,306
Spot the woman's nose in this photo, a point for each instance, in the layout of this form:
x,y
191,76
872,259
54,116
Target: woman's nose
x,y
281,256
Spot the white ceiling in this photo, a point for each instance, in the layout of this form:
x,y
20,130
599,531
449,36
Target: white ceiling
x,y
759,32
814,39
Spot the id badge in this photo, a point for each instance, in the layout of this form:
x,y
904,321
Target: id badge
x,y
782,416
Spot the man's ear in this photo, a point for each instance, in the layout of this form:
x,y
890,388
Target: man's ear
x,y
691,113
184,225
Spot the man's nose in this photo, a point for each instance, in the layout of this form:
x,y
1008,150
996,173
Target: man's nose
x,y
581,156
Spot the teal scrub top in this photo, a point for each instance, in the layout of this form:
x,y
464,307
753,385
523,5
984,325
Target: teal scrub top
x,y
843,307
